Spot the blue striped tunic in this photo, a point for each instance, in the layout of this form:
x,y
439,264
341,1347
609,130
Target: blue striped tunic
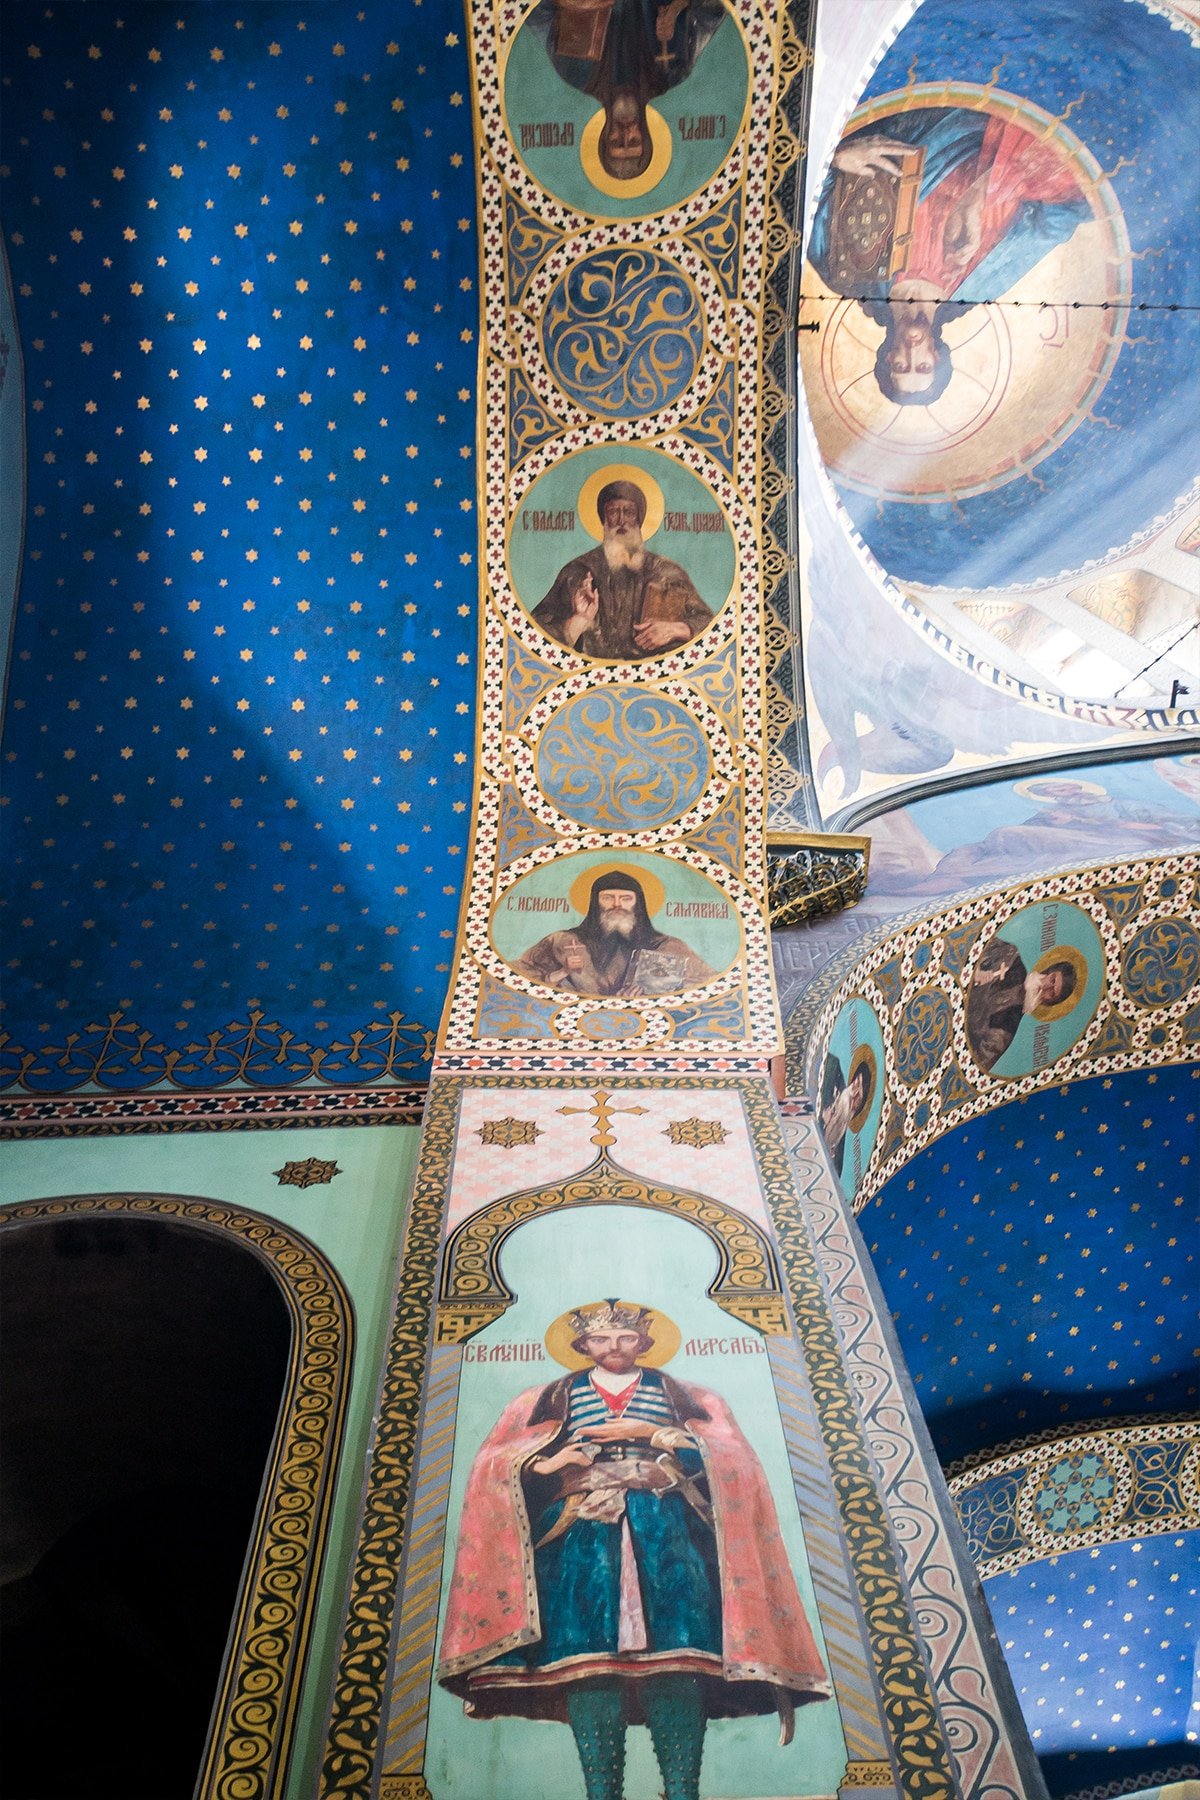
x,y
578,1573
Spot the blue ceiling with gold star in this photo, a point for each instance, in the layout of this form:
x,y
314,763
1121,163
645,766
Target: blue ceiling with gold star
x,y
239,728
1040,1268
1100,1647
1040,1262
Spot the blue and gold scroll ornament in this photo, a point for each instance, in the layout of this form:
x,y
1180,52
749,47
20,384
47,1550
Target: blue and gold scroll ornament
x,y
922,1035
1161,963
620,758
623,332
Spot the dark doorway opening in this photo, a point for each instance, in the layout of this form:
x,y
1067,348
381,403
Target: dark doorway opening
x,y
142,1364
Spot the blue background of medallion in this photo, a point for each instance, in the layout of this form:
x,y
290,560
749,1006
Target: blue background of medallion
x,y
1161,962
619,756
922,1034
1124,78
623,332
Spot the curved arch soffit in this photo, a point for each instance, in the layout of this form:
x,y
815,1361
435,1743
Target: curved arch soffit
x,y
1136,926
255,1713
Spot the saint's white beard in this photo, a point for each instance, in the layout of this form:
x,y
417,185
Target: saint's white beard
x,y
621,923
626,552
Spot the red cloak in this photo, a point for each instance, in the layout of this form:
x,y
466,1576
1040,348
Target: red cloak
x,y
769,1658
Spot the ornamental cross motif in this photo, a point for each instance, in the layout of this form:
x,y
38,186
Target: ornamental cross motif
x,y
603,1137
508,1132
696,1133
312,1172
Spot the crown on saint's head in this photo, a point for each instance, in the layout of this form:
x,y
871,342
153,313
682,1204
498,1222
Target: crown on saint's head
x,y
611,1315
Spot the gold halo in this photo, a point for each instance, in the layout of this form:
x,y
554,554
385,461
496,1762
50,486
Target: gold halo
x,y
1027,789
864,1056
665,1332
580,892
589,496
1069,954
637,185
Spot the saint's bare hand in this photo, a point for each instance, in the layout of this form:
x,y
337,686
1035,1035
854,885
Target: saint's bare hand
x,y
563,1459
870,156
659,634
585,601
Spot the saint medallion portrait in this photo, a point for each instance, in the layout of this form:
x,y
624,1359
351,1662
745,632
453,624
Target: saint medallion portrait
x,y
631,924
621,108
936,206
850,1100
621,560
1035,989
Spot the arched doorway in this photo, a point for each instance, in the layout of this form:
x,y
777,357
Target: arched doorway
x,y
165,1363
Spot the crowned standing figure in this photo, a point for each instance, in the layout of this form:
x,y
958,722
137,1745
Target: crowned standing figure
x,y
620,1562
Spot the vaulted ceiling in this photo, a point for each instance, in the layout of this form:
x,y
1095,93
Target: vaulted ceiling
x,y
240,722
1040,1267
240,717
1040,1263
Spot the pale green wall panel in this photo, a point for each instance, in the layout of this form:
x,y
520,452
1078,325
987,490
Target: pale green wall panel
x,y
355,1220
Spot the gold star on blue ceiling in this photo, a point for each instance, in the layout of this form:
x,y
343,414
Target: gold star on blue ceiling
x,y
239,729
1040,1262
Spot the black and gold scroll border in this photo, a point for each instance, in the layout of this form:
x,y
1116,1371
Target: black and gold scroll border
x,y
918,1739
791,802
910,1710
278,1109
254,1717
361,1671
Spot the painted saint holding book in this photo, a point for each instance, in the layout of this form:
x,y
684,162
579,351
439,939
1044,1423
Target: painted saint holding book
x,y
615,949
621,600
932,205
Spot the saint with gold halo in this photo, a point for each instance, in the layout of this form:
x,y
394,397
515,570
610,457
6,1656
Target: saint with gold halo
x,y
615,949
937,208
1004,991
626,53
845,1100
620,1561
622,601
